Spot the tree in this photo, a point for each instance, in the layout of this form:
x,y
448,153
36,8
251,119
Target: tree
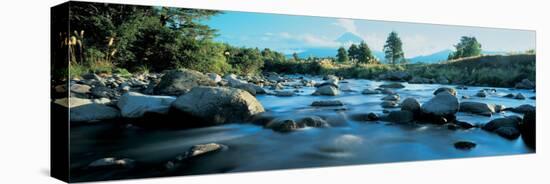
x,y
393,49
364,53
295,57
467,47
353,52
342,55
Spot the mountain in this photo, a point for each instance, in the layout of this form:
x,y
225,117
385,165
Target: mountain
x,y
348,37
432,58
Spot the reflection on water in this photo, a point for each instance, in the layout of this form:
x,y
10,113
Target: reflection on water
x,y
253,148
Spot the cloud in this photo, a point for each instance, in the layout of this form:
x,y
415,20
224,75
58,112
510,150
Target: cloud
x,y
348,25
303,40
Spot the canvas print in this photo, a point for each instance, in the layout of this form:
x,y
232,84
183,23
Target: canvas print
x,y
151,91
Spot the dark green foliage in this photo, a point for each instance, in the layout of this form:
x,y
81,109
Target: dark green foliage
x,y
364,53
342,55
353,52
467,47
393,49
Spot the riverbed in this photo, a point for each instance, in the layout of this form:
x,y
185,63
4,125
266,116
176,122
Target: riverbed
x,y
254,148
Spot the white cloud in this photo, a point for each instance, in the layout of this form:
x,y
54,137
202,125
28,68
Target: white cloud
x,y
348,25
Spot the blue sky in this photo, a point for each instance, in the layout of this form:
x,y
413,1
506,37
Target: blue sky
x,y
287,33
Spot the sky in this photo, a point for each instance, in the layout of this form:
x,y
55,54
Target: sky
x,y
288,34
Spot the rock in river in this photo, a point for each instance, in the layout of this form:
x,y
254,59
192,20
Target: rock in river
x,y
525,84
477,108
389,104
528,128
522,108
314,121
444,104
464,145
111,163
327,103
216,105
452,91
177,82
327,90
92,112
400,116
506,127
370,92
284,125
410,104
391,98
135,105
392,85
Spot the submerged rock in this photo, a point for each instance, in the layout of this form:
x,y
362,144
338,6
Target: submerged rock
x,y
481,94
314,121
519,96
284,93
286,125
178,82
389,104
216,105
401,116
392,85
135,105
391,98
327,103
410,104
370,92
464,145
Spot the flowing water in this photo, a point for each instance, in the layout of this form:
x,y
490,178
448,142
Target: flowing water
x,y
254,148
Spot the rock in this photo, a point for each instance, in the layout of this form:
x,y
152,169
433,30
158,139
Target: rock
x,y
284,126
499,108
371,116
401,116
370,92
510,95
419,80
392,85
178,82
410,104
452,126
72,102
92,112
481,94
112,163
477,108
519,96
463,124
505,127
391,98
464,145
214,77
522,108
465,97
528,129
80,88
327,103
284,93
327,90
216,105
388,91
91,76
444,104
508,132
525,84
135,105
202,149
461,87
103,92
452,91
314,121
389,104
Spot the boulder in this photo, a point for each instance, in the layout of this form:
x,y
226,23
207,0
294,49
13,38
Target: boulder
x,y
202,149
103,92
214,77
80,88
391,98
410,104
370,92
401,116
477,108
92,112
522,108
444,104
178,82
387,91
510,95
285,125
371,116
327,103
507,127
389,104
392,85
135,105
519,96
525,84
72,102
314,121
464,145
481,94
91,76
216,105
284,93
452,91
528,129
327,90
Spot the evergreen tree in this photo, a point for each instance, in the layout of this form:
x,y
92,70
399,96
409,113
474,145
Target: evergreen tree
x,y
467,47
353,52
342,55
364,53
393,49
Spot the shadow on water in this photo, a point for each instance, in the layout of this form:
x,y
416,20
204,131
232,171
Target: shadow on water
x,y
253,148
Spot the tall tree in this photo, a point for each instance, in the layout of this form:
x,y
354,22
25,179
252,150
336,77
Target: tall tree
x,y
342,55
393,49
365,54
353,52
295,57
468,46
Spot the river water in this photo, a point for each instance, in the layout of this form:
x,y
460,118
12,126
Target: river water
x,y
254,148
